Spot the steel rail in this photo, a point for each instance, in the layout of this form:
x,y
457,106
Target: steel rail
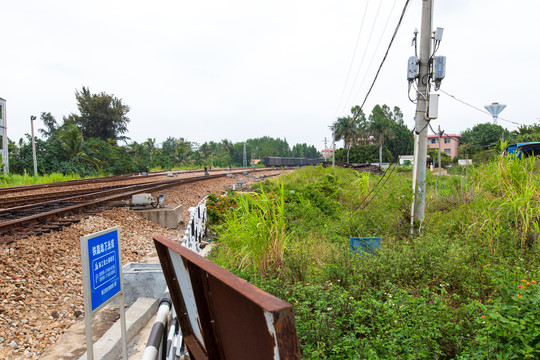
x,y
134,190
119,178
125,177
31,199
23,199
105,196
20,201
83,195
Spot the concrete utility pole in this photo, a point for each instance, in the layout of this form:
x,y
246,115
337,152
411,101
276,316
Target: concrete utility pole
x,y
439,140
244,160
333,150
421,121
4,153
32,118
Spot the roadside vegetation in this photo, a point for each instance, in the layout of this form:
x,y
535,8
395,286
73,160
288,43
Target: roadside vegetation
x,y
93,142
467,288
25,179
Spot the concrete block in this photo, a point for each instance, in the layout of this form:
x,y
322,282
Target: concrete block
x,y
109,346
142,280
169,216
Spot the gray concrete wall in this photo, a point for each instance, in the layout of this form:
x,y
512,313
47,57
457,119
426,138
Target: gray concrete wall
x,y
143,280
168,217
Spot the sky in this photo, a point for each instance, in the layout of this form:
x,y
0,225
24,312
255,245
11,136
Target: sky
x,y
211,69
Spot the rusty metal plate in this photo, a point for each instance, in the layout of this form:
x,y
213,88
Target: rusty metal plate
x,y
221,315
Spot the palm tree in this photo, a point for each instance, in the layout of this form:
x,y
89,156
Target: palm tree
x,y
380,126
72,140
150,143
50,123
346,129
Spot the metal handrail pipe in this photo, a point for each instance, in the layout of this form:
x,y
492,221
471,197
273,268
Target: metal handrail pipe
x,y
170,337
157,333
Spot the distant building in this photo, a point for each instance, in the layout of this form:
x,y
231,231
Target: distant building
x,y
327,153
4,165
406,159
449,143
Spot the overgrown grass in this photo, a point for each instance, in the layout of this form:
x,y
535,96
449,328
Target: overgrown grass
x,y
20,180
465,289
256,236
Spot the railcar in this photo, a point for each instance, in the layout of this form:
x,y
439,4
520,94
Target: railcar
x,y
290,161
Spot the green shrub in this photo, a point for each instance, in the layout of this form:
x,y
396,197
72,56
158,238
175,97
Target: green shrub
x,y
417,297
507,325
218,206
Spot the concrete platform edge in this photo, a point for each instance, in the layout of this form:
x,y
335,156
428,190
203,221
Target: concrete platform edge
x,y
137,316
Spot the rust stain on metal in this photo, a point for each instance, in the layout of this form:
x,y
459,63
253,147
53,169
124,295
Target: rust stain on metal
x,y
287,340
238,320
195,348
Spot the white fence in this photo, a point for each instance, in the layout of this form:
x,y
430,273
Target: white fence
x,y
196,228
162,329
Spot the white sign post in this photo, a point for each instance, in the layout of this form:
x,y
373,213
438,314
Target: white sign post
x,y
102,279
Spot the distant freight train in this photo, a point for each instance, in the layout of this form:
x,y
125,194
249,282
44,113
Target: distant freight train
x,y
289,161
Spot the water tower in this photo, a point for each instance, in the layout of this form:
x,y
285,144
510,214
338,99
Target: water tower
x,y
495,109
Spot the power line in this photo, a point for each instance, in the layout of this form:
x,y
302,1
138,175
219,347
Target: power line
x,y
376,49
482,111
387,50
376,189
364,54
352,59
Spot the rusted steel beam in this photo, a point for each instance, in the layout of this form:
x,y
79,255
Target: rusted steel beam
x,y
221,315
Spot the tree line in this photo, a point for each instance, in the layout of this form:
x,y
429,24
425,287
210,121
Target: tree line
x,y
380,137
88,144
481,142
383,136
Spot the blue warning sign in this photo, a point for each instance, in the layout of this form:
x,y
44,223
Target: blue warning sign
x,y
105,267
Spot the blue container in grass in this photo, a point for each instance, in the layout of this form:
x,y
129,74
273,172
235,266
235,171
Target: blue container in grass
x,y
364,244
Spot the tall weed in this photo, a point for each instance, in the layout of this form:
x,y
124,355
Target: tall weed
x,y
254,235
515,190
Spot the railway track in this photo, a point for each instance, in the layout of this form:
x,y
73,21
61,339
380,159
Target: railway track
x,y
24,215
107,179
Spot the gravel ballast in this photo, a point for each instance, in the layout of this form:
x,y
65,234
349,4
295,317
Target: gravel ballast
x,y
41,277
